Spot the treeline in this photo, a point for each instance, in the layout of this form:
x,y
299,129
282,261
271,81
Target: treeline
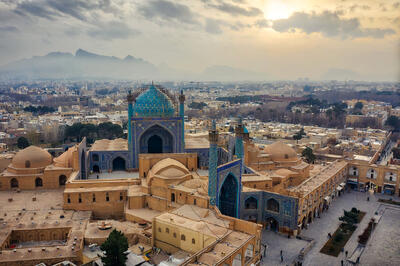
x,y
92,132
197,105
239,99
39,110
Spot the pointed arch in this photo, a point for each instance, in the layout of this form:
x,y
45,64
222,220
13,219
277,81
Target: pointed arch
x,y
228,196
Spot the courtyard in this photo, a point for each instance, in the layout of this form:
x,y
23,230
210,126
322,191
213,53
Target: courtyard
x,y
383,248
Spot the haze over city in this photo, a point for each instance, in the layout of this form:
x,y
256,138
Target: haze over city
x,y
238,39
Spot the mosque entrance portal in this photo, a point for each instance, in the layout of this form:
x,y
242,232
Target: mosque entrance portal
x,y
156,139
118,164
228,196
155,144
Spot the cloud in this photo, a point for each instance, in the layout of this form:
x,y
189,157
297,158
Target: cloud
x,y
213,26
167,11
235,10
329,24
360,7
51,9
8,29
113,30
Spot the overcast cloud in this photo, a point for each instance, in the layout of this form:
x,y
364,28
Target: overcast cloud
x,y
193,35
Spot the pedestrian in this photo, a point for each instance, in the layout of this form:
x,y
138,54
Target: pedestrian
x,y
281,252
281,258
367,198
346,252
341,262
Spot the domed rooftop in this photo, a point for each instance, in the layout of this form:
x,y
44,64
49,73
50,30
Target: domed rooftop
x,y
31,157
153,103
280,151
169,169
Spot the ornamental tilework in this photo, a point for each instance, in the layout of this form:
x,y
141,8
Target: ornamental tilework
x,y
288,208
153,103
234,168
168,129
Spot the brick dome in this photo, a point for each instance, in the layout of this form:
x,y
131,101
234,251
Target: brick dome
x,y
280,151
31,157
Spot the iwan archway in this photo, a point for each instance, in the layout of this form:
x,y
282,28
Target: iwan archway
x,y
228,196
156,139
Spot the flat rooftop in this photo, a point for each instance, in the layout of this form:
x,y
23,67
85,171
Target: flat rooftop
x,y
197,142
114,175
110,145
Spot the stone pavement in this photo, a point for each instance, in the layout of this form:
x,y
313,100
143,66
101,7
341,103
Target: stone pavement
x,y
328,223
383,248
275,243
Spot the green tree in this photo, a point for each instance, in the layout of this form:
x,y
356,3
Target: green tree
x,y
299,135
23,142
115,248
358,105
394,122
308,155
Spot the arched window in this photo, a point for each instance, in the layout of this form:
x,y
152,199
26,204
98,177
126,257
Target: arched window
x,y
193,241
251,203
14,183
121,197
62,179
183,237
194,202
371,173
159,229
38,182
95,157
96,169
273,205
94,197
175,235
107,197
27,164
69,199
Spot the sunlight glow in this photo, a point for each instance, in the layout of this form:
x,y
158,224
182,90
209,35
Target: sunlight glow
x,y
275,9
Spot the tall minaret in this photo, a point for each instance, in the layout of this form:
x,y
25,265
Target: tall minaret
x,y
131,99
213,163
182,115
239,132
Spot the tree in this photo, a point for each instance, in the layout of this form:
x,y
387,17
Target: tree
x,y
394,122
22,143
299,135
115,248
308,155
358,105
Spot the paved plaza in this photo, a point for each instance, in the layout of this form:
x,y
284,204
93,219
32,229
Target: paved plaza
x,y
382,249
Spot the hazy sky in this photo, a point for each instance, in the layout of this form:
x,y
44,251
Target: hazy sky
x,y
286,39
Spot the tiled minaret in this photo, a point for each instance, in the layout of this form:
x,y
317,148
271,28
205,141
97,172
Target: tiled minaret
x,y
213,163
239,132
182,115
131,99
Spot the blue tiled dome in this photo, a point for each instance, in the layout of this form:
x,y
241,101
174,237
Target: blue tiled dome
x,y
153,103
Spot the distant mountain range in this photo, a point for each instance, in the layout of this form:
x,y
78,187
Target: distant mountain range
x,y
87,65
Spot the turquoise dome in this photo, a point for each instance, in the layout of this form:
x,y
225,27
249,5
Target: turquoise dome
x,y
153,103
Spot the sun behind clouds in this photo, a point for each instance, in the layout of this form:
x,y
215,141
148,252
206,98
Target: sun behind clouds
x,y
276,9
